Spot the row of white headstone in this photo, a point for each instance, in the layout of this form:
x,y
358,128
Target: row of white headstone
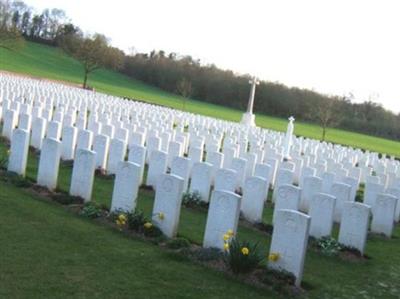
x,y
97,131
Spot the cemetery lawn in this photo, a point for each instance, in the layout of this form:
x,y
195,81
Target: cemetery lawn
x,y
48,250
49,62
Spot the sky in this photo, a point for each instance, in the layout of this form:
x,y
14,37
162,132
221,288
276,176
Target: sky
x,y
331,46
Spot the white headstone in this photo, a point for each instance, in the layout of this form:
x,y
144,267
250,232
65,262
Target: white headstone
x,y
255,192
157,167
68,143
201,179
287,198
38,132
354,225
383,214
137,154
126,187
283,177
396,193
19,151
84,140
322,207
223,215
289,241
342,193
53,130
180,168
116,154
167,203
49,163
10,123
311,186
225,179
83,174
101,144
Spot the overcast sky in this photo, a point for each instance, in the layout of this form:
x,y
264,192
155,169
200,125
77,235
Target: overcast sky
x,y
334,47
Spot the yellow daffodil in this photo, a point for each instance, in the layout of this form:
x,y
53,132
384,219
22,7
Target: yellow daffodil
x,y
148,225
161,216
226,237
120,222
230,232
226,246
245,251
274,257
122,217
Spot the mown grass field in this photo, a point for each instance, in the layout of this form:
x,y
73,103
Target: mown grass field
x,y
49,252
47,62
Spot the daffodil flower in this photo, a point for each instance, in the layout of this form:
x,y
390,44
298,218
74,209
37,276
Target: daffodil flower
x,y
245,251
226,246
148,225
274,256
161,216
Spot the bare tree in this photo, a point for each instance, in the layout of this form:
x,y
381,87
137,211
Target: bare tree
x,y
184,88
326,113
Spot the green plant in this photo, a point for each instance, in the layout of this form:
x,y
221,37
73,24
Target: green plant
x,y
150,230
178,243
242,256
193,199
3,163
329,246
136,220
90,210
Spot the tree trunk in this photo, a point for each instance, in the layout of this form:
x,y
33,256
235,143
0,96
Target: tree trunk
x,y
85,79
323,132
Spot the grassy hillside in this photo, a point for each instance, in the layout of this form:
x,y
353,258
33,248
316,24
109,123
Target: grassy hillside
x,y
48,252
43,61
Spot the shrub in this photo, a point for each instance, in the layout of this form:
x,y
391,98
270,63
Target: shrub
x,y
150,230
4,163
136,220
242,256
90,210
178,243
329,246
193,199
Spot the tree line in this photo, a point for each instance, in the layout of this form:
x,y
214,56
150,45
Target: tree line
x,y
188,77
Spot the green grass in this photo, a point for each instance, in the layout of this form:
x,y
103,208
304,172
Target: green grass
x,y
47,62
49,251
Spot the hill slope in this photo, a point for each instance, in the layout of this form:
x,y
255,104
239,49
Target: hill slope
x,y
48,62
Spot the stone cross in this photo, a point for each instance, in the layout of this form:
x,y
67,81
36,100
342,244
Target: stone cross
x,y
288,138
250,105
